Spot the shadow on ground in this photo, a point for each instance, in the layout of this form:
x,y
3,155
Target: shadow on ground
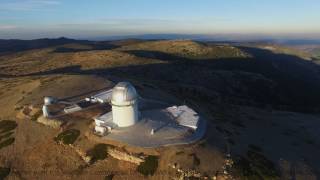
x,y
281,81
14,46
265,80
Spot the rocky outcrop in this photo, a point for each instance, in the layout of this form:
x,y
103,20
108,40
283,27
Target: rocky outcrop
x,y
50,122
191,173
123,156
27,112
120,155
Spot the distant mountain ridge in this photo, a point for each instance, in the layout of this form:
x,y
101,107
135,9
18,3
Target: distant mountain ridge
x,y
215,37
14,45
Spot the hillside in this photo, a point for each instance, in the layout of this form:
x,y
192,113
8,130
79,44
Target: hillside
x,y
184,48
313,50
259,75
21,45
261,102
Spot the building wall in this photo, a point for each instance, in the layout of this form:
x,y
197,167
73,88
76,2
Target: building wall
x,y
125,116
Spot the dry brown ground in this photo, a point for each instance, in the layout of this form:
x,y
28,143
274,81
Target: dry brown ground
x,y
35,155
291,140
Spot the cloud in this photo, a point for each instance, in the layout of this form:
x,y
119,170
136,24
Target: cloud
x,y
7,27
147,25
28,5
133,23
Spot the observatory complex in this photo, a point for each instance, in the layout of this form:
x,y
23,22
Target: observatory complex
x,y
144,127
125,113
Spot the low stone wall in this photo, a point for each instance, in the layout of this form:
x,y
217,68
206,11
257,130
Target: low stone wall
x,y
120,155
50,122
123,156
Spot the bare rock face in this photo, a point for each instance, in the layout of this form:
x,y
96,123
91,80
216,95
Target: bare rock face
x,y
124,156
54,123
27,112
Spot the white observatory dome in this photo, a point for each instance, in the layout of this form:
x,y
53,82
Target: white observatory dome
x,y
123,94
124,101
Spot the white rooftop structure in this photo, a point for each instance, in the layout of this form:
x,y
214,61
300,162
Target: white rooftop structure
x,y
185,116
105,120
73,108
102,97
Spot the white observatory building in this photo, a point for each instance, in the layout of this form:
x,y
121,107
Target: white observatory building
x,y
125,113
161,124
124,101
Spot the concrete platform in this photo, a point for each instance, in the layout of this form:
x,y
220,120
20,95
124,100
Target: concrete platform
x,y
167,131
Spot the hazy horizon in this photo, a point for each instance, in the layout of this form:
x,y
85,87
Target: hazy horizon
x,y
32,19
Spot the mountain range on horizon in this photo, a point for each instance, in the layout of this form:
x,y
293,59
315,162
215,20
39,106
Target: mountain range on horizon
x,y
285,39
141,89
311,46
262,90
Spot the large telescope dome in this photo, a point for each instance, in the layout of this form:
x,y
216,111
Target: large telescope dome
x,y
123,94
124,101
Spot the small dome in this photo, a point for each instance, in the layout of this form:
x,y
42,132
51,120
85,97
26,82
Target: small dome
x,y
123,94
49,100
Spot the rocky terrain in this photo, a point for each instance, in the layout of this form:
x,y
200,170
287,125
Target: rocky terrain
x,y
261,102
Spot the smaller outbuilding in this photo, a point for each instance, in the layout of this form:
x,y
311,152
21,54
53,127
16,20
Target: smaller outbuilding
x,y
185,116
47,102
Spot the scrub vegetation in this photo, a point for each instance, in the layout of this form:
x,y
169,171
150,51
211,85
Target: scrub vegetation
x,y
68,136
149,166
98,152
6,132
4,172
242,90
255,166
7,125
109,177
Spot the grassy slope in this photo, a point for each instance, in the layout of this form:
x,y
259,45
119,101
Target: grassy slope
x,y
189,49
233,74
229,80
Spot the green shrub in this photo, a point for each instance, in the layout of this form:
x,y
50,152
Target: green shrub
x,y
6,142
98,152
179,152
109,177
263,166
6,135
242,169
149,166
68,136
7,125
4,172
255,166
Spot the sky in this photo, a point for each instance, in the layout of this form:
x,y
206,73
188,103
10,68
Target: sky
x,y
29,19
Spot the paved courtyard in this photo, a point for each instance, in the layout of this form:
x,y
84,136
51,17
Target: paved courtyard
x,y
166,131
